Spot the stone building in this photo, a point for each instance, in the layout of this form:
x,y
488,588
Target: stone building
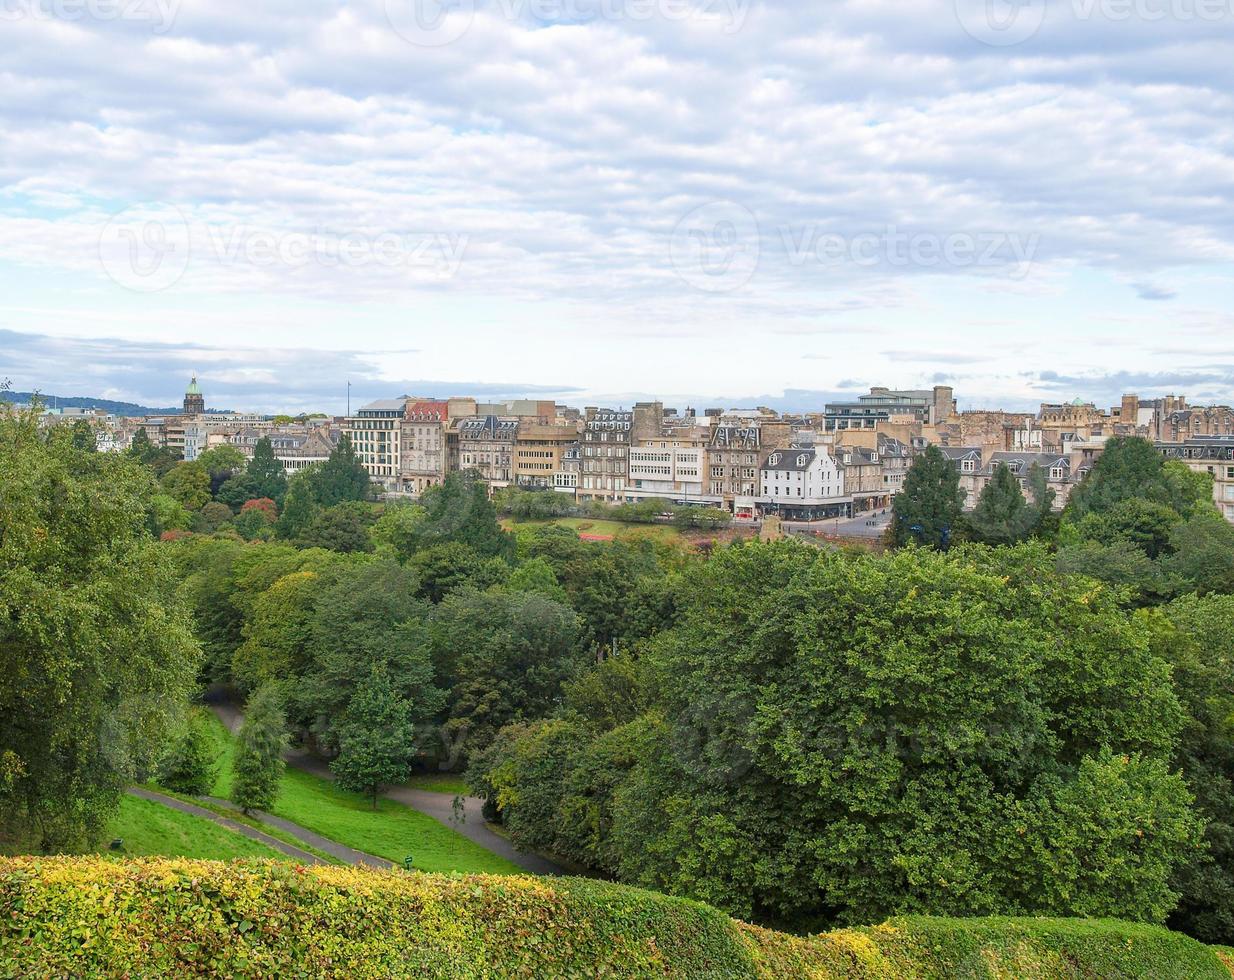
x,y
1214,456
540,448
422,436
486,445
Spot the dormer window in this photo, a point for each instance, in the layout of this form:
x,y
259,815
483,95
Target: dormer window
x,y
774,459
803,460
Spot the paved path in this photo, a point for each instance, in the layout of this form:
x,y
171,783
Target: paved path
x,y
348,855
439,806
244,829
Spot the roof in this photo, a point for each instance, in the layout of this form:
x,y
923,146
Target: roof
x,y
1021,463
193,388
791,460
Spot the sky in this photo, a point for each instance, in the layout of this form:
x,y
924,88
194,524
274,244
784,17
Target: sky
x,y
704,201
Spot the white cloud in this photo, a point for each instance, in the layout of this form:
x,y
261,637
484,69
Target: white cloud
x,y
564,155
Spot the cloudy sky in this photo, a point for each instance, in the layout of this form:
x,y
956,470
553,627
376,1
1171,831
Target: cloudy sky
x,y
608,199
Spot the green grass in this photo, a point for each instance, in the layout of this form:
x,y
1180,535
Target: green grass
x,y
391,831
153,830
614,529
449,783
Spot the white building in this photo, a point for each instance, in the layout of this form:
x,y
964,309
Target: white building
x,y
803,484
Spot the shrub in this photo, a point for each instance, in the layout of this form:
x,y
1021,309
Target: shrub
x,y
189,765
94,917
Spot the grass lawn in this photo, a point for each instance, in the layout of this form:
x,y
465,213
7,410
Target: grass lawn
x,y
614,529
391,831
151,829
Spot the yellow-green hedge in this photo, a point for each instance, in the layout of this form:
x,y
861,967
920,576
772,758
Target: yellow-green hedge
x,y
83,917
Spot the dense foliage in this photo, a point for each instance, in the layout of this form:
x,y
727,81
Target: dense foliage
x,y
195,918
852,737
96,653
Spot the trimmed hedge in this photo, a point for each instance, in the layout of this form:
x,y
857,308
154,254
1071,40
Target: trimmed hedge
x,y
89,917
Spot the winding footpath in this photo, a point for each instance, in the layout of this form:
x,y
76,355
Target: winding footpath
x,y
439,806
233,825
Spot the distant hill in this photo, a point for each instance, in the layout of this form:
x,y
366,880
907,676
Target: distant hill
x,y
79,401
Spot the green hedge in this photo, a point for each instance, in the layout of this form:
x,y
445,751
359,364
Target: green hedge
x,y
86,917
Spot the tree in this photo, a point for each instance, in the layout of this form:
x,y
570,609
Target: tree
x,y
342,528
221,462
508,655
445,568
83,437
267,472
842,737
396,532
168,514
238,490
459,510
1202,553
299,505
189,484
259,763
536,575
189,766
342,477
251,522
1002,515
929,507
1196,635
1134,520
365,617
376,738
1130,467
211,517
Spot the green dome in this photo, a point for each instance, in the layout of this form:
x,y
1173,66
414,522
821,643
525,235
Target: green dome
x,y
193,388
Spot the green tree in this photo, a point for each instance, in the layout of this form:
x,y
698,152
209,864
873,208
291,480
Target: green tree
x,y
267,472
536,575
211,517
253,522
189,484
507,654
190,764
396,532
168,514
237,491
342,528
929,507
365,617
448,567
836,736
259,763
1199,644
1201,555
342,477
1002,515
83,437
459,510
376,738
299,505
1130,467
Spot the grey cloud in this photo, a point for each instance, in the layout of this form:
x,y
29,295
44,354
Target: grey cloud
x,y
254,379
